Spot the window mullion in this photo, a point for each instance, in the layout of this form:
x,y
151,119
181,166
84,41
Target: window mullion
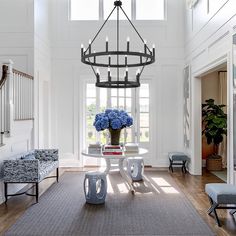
x,y
133,9
101,10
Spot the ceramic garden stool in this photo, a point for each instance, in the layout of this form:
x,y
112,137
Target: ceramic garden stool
x,y
135,168
95,187
221,196
178,159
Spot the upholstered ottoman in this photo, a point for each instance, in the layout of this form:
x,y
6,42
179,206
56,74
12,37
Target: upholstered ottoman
x,y
178,159
95,187
135,168
220,193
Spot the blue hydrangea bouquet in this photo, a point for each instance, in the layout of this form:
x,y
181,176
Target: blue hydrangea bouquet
x,y
114,120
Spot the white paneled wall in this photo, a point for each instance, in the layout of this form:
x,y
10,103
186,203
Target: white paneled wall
x,y
69,73
42,72
25,39
16,43
208,44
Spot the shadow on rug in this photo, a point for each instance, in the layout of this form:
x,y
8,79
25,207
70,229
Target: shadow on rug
x,y
157,208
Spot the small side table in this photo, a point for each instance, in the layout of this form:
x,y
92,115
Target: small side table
x,y
178,159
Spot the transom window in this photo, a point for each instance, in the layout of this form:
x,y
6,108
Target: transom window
x,y
100,9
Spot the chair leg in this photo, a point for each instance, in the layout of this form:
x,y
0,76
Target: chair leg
x,y
213,209
170,166
5,191
184,167
232,212
216,216
37,192
209,211
57,174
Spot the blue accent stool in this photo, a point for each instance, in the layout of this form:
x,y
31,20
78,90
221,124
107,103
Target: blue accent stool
x,y
178,159
95,187
221,194
135,168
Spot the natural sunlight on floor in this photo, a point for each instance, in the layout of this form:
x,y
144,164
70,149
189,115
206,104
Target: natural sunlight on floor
x,y
149,185
164,185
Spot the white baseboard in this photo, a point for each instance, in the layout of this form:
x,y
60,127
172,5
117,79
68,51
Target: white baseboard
x,y
69,163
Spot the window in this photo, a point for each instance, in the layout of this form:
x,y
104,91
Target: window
x,y
150,10
100,9
144,113
84,10
109,5
134,101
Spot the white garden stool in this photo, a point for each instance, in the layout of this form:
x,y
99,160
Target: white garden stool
x,y
135,168
95,187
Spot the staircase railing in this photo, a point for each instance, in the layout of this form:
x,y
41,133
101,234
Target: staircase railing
x,y
23,87
16,99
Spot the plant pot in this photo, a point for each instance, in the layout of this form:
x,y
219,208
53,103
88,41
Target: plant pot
x,y
115,136
214,163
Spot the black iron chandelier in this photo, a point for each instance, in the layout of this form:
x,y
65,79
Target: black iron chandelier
x,y
123,58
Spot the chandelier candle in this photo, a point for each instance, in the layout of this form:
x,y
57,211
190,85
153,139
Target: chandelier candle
x,y
109,73
128,44
82,50
125,57
106,44
90,46
153,50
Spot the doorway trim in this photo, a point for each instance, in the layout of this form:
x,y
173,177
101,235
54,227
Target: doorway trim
x,y
196,165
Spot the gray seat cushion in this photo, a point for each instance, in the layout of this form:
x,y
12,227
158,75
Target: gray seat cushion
x,y
177,156
221,193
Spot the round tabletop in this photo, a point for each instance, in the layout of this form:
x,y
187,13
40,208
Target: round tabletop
x,y
141,152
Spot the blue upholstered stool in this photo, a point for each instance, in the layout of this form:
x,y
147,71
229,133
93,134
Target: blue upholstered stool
x,y
221,196
95,187
178,159
135,168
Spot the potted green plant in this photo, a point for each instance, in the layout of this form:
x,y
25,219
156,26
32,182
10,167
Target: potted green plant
x,y
214,121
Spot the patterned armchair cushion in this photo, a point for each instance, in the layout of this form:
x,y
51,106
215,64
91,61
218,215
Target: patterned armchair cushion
x,y
46,154
30,167
21,171
28,157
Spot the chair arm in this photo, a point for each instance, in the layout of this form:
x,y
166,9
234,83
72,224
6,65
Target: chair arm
x,y
21,171
46,154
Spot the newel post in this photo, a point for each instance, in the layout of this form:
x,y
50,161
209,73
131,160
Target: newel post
x,y
9,99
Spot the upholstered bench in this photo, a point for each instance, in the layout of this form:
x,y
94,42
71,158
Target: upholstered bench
x,y
221,194
31,167
178,159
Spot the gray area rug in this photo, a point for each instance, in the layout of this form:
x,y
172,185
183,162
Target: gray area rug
x,y
157,208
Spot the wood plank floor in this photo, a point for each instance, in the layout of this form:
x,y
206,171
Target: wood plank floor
x,y
191,186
